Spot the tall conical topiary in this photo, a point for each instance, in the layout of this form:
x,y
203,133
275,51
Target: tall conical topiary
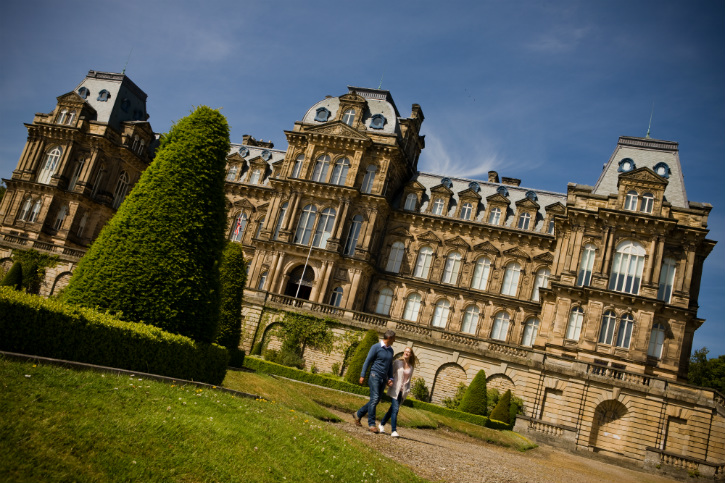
x,y
358,358
157,260
14,277
502,411
474,401
232,278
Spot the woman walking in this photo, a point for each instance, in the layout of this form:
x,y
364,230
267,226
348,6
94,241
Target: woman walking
x,y
402,375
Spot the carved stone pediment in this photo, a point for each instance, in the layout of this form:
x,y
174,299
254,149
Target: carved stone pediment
x,y
338,128
643,175
258,161
429,236
400,231
487,246
441,189
263,207
414,186
527,204
458,242
352,97
72,99
469,194
555,208
498,198
235,157
544,257
244,204
518,253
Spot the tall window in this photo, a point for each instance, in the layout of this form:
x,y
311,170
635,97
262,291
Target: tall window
x,y
606,334
422,266
647,203
25,210
470,320
36,210
412,307
524,220
305,225
667,279
440,315
353,235
480,274
232,173
297,169
280,220
627,268
238,228
466,210
452,268
336,297
50,163
624,335
437,206
511,279
121,189
369,179
552,226
320,172
63,116
385,300
531,330
656,341
585,266
60,218
82,225
574,327
396,257
500,326
494,217
410,202
339,172
324,228
99,181
541,281
348,117
76,174
134,145
630,202
262,281
260,225
256,174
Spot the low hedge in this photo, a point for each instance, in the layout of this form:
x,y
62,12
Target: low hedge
x,y
33,325
444,411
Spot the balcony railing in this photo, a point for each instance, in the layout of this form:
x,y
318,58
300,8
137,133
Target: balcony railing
x,y
44,246
618,374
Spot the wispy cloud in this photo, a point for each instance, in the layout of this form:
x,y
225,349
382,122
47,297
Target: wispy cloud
x,y
558,41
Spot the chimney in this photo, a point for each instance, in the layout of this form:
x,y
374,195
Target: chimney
x,y
492,177
511,181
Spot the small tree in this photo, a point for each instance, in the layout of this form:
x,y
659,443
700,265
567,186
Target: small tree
x,y
358,359
474,401
232,279
455,401
502,411
14,277
34,266
419,390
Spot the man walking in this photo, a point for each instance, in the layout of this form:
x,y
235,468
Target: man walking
x,y
380,361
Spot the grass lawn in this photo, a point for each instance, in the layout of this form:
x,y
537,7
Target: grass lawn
x,y
63,425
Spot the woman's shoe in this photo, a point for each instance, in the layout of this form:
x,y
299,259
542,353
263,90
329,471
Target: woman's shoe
x,y
394,434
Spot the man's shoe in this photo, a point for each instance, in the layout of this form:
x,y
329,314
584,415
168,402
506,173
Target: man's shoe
x,y
373,429
356,419
381,428
394,434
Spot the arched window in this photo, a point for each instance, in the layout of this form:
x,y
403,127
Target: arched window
x,y
36,210
50,163
440,315
630,202
494,217
410,202
260,225
624,335
437,207
480,274
412,307
339,172
500,326
25,210
121,189
336,297
280,220
574,327
82,225
422,266
297,168
511,279
103,96
606,333
452,268
647,202
470,320
369,179
324,228
262,281
348,117
63,116
76,173
531,330
134,146
656,341
232,173
396,257
254,178
466,210
586,265
83,92
238,228
552,226
541,281
627,267
524,220
321,166
98,183
385,300
353,235
305,225
667,279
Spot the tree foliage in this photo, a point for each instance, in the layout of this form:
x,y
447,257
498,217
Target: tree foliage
x,y
474,400
358,359
419,390
232,279
707,372
34,265
157,260
502,411
455,401
14,277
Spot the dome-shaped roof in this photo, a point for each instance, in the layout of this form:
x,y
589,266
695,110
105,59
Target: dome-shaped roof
x,y
380,114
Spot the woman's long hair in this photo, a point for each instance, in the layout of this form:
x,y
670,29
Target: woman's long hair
x,y
412,360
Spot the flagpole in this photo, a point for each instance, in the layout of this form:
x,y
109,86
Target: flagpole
x,y
304,270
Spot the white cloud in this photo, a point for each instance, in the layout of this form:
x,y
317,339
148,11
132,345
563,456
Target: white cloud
x,y
559,41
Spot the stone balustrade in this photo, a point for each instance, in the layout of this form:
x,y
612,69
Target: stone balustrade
x,y
546,428
44,246
508,350
656,458
460,339
618,374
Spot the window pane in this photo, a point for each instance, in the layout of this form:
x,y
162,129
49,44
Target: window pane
x,y
304,227
542,280
500,326
385,300
353,235
574,327
511,279
321,166
667,279
412,306
280,220
298,166
480,274
494,216
585,267
336,297
425,257
470,320
440,316
324,228
656,341
410,202
396,257
531,329
453,266
625,331
607,331
238,230
437,207
367,185
466,210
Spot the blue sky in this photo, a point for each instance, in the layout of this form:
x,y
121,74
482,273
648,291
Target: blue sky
x,y
536,90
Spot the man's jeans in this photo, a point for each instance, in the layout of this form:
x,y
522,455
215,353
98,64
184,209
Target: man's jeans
x,y
392,413
377,385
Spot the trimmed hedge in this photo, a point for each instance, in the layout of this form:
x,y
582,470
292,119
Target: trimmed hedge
x,y
474,400
14,277
443,411
503,408
33,325
357,362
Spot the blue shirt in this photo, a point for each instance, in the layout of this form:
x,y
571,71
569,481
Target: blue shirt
x,y
381,358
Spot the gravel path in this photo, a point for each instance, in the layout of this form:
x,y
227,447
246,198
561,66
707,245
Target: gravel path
x,y
451,457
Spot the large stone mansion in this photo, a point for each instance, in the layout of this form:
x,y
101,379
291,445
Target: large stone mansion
x,y
584,303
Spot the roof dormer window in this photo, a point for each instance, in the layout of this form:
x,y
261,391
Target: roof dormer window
x,y
502,191
322,114
83,92
103,96
532,196
349,117
662,169
377,121
243,152
125,104
473,186
266,155
625,165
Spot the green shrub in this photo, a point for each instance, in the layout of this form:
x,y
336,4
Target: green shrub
x,y
474,400
44,327
335,370
232,279
358,359
256,349
419,390
451,413
236,357
502,410
455,401
14,277
157,260
34,266
492,399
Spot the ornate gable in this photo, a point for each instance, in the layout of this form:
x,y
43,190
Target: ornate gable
x,y
498,198
527,204
458,242
338,128
263,207
414,186
469,194
487,246
72,99
400,231
429,236
544,257
643,175
555,208
235,157
441,189
518,253
244,204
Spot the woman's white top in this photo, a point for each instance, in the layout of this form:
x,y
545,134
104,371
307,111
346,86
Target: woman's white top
x,y
401,379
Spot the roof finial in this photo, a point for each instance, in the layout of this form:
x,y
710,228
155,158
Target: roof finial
x,y
129,58
381,81
650,119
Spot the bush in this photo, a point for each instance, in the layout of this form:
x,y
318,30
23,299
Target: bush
x,y
451,413
502,410
455,401
43,327
256,349
419,390
335,370
236,357
34,265
492,400
358,359
232,279
14,277
474,401
157,260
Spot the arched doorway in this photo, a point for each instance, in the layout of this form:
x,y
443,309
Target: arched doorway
x,y
609,428
447,380
300,283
